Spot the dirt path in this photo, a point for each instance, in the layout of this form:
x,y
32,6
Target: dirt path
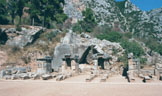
x,y
52,88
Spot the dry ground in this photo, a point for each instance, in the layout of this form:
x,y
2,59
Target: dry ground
x,y
80,88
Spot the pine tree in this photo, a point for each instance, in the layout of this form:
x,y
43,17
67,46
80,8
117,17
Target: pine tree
x,y
12,8
20,7
3,12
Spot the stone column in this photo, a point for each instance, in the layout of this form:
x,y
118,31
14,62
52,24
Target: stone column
x,y
64,67
74,66
2,74
95,62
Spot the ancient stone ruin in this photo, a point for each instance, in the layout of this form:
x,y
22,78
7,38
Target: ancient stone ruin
x,y
79,55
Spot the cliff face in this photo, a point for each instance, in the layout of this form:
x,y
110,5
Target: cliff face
x,y
124,14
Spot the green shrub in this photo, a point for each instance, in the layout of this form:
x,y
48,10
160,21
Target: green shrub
x,y
87,24
77,28
153,44
132,47
51,35
143,61
128,35
18,27
111,36
123,59
4,20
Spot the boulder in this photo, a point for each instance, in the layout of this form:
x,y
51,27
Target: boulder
x,y
46,77
36,76
25,37
7,77
15,76
24,76
59,78
90,78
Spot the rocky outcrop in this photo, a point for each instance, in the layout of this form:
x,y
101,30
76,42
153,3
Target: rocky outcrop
x,y
156,18
153,58
124,16
22,38
79,45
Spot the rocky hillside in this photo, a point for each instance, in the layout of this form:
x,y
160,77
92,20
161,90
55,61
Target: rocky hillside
x,y
122,16
19,46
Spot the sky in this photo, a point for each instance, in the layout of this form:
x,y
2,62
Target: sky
x,y
146,5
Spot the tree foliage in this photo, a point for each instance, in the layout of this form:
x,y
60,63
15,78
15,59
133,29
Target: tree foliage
x,y
129,46
132,47
20,5
88,22
111,36
3,12
12,9
41,12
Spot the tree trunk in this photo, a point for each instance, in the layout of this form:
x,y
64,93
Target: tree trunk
x,y
20,20
13,17
44,20
12,21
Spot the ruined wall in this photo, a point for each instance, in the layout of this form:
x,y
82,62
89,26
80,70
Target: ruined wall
x,y
74,44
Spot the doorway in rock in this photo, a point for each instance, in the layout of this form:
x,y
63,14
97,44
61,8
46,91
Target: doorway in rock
x,y
68,62
83,59
101,62
3,37
90,49
125,74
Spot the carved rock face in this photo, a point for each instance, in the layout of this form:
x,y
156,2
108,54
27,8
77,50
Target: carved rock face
x,y
74,44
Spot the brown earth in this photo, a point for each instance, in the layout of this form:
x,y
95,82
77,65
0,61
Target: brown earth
x,y
70,87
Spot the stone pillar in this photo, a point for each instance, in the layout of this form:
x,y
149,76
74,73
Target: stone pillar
x,y
64,67
2,74
95,61
74,66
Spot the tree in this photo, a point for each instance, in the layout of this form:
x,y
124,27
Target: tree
x,y
12,7
87,24
89,21
20,6
34,10
52,10
132,47
3,12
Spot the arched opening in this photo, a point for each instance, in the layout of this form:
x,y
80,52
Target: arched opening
x,y
68,62
101,62
3,37
83,59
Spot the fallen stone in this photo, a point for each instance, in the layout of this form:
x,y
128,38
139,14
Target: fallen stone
x,y
147,78
36,76
14,77
46,77
7,77
90,78
141,75
59,78
24,76
104,78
